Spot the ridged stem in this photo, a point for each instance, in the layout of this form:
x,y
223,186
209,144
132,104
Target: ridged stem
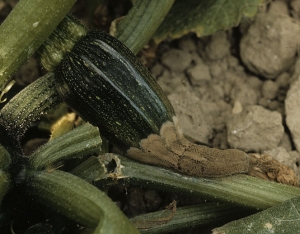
x,y
139,25
61,41
26,107
5,161
164,221
90,170
28,25
4,184
79,201
77,143
239,189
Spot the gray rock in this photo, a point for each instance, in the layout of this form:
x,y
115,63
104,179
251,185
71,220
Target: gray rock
x,y
176,60
187,44
255,129
199,74
269,89
244,93
218,47
270,45
292,109
192,115
283,80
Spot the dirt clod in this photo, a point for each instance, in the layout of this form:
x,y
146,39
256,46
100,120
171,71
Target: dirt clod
x,y
176,60
193,118
199,74
292,109
270,45
253,130
218,47
269,89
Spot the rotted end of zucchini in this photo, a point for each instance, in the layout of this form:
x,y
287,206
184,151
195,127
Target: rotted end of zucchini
x,y
170,149
60,42
265,167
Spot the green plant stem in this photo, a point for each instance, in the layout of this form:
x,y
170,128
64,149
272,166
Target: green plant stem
x,y
139,25
77,143
78,200
5,161
90,170
4,184
25,29
238,189
61,41
185,217
26,107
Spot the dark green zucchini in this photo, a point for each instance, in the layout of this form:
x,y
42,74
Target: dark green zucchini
x,y
108,86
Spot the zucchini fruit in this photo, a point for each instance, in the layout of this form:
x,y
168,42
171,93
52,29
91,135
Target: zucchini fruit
x,y
98,80
106,84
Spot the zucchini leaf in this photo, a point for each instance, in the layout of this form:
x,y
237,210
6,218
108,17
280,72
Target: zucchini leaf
x,y
283,218
204,17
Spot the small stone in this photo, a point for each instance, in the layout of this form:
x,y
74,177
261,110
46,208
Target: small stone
x,y
227,86
245,94
187,44
255,129
196,58
170,82
176,60
216,70
218,47
237,107
233,62
199,74
269,89
270,45
217,91
283,80
273,105
292,109
263,102
254,82
194,116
